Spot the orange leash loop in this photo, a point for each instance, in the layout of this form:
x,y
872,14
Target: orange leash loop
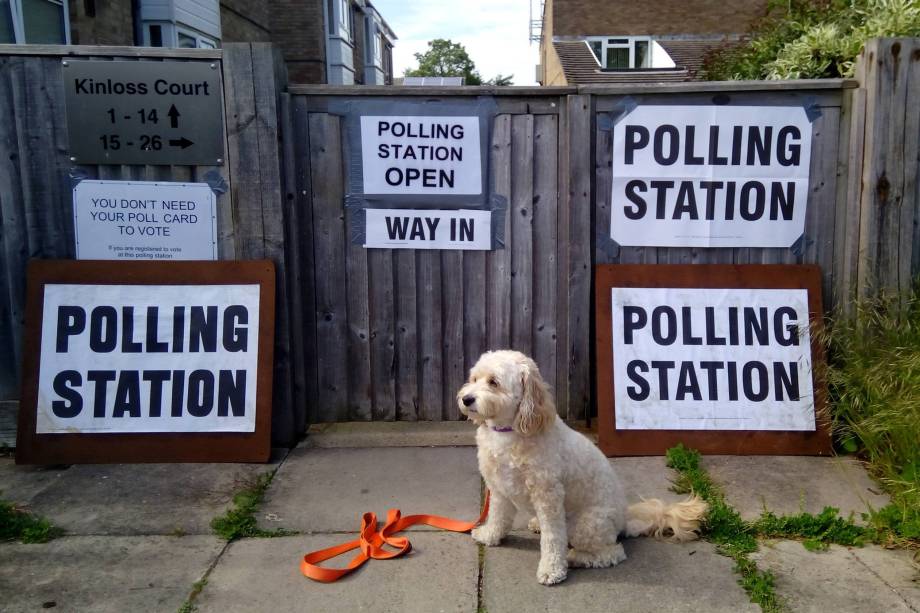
x,y
371,541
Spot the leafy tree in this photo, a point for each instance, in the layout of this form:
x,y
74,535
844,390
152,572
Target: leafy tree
x,y
810,39
445,58
500,80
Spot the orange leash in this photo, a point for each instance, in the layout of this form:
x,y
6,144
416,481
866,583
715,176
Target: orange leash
x,y
371,541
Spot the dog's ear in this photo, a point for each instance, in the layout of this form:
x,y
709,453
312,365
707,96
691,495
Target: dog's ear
x,y
536,410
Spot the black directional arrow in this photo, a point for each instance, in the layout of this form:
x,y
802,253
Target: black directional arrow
x,y
180,142
173,116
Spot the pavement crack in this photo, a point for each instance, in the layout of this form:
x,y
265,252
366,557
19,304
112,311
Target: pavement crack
x,y
885,583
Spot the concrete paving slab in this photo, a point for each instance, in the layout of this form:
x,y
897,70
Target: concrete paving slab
x,y
327,490
20,484
127,499
655,577
899,569
836,580
791,484
391,434
439,574
103,573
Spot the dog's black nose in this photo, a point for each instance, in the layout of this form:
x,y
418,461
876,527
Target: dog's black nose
x,y
468,400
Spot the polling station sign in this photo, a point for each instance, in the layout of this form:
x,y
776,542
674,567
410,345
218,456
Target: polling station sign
x,y
724,357
135,220
149,349
710,176
424,229
421,155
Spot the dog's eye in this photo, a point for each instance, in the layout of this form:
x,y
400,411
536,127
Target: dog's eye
x,y
493,382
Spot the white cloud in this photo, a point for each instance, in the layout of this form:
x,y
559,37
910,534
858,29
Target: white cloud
x,y
495,34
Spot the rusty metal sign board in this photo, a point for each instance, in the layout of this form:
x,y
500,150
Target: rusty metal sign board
x,y
160,113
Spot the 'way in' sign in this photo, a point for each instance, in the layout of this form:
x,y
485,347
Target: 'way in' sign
x,y
420,229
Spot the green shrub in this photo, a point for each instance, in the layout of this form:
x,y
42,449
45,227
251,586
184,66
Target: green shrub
x,y
802,39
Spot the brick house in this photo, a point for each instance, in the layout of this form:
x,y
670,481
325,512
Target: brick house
x,y
323,41
616,41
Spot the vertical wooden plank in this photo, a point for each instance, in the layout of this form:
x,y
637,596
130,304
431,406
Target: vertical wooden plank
x,y
562,260
475,340
329,256
885,71
603,182
304,236
14,239
580,240
520,212
430,335
498,287
293,260
452,302
242,143
360,394
908,231
822,192
382,333
846,226
407,350
545,205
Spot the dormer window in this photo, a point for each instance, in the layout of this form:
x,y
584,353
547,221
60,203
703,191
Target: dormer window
x,y
621,52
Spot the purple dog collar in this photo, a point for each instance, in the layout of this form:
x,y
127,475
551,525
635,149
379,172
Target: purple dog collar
x,y
502,429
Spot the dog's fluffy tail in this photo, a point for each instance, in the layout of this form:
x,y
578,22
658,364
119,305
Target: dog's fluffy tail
x,y
677,522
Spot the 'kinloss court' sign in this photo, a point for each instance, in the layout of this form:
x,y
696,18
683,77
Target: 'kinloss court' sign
x,y
710,176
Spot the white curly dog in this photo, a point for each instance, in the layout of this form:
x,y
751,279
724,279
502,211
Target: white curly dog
x,y
532,462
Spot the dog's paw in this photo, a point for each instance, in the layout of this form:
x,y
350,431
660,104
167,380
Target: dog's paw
x,y
609,556
486,536
534,525
551,572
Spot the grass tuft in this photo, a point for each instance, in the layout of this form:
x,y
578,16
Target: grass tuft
x,y
817,532
873,378
19,525
240,520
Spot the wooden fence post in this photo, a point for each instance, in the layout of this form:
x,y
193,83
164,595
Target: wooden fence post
x,y
254,78
889,254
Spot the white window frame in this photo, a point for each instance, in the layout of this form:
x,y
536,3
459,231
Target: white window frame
x,y
19,26
630,44
209,42
169,33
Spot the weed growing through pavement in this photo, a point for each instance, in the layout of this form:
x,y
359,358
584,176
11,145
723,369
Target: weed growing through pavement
x,y
873,377
240,520
724,527
19,525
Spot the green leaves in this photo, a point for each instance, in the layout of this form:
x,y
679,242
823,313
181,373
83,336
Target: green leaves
x,y
445,58
807,39
16,524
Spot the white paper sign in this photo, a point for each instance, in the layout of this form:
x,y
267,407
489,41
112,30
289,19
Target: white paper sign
x,y
144,220
421,155
712,359
142,358
423,229
710,176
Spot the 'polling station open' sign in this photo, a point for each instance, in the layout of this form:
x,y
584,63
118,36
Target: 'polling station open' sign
x,y
710,176
421,155
717,357
147,361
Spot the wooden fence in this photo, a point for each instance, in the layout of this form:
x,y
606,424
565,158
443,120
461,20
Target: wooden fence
x,y
389,334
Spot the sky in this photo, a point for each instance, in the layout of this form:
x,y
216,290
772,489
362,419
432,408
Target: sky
x,y
495,33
